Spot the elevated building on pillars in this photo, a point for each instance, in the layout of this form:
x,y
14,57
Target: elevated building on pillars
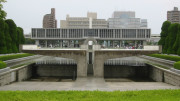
x,y
107,38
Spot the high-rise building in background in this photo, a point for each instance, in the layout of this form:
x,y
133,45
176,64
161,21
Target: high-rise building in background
x,y
49,20
173,16
90,21
126,19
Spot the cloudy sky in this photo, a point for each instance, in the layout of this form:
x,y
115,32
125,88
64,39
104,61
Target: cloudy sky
x,y
29,13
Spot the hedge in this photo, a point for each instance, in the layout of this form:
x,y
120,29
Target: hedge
x,y
2,65
167,57
9,57
177,65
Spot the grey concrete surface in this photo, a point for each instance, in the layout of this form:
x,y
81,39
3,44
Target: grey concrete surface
x,y
88,83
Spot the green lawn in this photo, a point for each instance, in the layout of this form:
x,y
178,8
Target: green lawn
x,y
9,57
154,95
167,57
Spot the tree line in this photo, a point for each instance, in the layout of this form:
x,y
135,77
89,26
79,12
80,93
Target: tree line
x,y
170,38
11,36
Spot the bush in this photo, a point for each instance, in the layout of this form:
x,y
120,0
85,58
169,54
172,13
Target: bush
x,y
9,57
177,65
2,65
167,57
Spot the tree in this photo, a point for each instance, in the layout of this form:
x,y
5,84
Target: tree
x,y
3,48
176,44
164,34
13,34
20,36
173,30
8,39
2,12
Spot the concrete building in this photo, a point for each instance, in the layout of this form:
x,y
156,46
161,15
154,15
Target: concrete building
x,y
90,21
49,20
123,19
107,38
155,39
173,16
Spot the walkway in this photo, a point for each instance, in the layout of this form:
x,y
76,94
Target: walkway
x,y
87,84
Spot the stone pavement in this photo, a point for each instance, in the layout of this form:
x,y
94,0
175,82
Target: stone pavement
x,y
88,83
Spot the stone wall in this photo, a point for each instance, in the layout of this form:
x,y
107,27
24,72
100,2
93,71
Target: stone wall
x,y
164,75
18,74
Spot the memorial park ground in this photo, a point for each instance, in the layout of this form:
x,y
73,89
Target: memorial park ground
x,y
146,95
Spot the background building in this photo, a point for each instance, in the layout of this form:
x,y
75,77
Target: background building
x,y
123,19
49,20
90,21
173,16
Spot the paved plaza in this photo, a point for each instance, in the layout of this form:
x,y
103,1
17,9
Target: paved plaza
x,y
88,83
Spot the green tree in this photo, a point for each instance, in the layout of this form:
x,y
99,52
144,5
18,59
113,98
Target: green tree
x,y
3,48
20,36
176,44
8,39
13,34
173,31
164,34
2,12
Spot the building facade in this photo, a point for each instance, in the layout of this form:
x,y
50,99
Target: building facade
x,y
110,38
123,19
49,20
90,21
173,16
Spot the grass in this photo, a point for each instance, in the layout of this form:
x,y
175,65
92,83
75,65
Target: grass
x,y
10,57
2,65
21,65
167,57
177,65
164,67
149,95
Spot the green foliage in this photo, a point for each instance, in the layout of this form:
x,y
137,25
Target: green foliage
x,y
3,48
29,41
148,95
2,12
13,34
167,57
8,39
9,57
2,65
164,34
177,65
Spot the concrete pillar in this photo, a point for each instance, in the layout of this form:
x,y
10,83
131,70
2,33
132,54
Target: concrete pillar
x,y
98,67
82,67
113,44
46,43
37,42
144,43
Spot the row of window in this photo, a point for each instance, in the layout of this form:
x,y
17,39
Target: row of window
x,y
80,33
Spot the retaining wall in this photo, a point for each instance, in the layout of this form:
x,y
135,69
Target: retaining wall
x,y
18,74
164,75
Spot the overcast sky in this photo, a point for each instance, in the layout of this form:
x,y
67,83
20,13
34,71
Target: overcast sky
x,y
29,13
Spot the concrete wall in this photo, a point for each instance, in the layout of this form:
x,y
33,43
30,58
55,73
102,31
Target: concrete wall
x,y
100,56
19,74
164,75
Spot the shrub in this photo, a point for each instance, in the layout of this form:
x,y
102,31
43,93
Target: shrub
x,y
9,57
2,65
167,57
177,65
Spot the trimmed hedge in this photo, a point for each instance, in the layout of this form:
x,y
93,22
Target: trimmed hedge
x,y
177,65
9,57
167,57
2,65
